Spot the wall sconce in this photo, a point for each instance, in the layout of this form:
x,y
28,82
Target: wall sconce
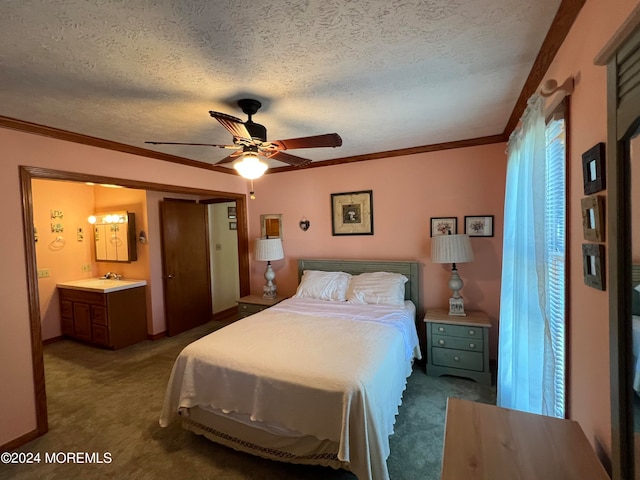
x,y
304,224
142,238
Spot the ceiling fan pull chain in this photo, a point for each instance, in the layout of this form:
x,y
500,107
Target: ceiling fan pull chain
x,y
252,194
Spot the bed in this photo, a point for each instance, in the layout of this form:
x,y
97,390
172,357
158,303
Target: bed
x,y
314,379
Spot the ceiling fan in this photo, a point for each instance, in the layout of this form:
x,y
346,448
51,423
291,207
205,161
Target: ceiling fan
x,y
250,139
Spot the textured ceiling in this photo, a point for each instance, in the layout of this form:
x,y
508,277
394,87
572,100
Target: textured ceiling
x,y
384,74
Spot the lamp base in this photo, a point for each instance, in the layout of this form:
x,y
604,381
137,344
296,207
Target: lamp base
x,y
456,307
456,304
269,292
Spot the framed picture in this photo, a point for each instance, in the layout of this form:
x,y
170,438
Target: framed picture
x,y
271,225
593,265
233,225
443,226
231,212
593,169
478,226
593,218
352,213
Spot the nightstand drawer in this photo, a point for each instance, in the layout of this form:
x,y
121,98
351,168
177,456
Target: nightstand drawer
x,y
249,309
456,330
473,345
457,359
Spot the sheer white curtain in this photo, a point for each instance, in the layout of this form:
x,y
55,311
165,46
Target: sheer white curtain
x,y
525,353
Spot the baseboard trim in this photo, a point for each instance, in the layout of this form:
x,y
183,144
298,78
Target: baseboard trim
x,y
225,314
21,440
156,336
52,340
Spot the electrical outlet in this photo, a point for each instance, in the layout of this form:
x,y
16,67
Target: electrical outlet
x,y
86,267
44,273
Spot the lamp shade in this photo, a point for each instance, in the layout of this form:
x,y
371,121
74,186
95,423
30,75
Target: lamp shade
x,y
451,249
250,166
268,249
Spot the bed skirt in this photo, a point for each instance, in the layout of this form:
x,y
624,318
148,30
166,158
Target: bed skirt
x,y
303,449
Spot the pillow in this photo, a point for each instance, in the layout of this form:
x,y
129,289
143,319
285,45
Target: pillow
x,y
323,285
381,288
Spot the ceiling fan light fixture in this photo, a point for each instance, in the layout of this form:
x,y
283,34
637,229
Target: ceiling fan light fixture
x,y
250,166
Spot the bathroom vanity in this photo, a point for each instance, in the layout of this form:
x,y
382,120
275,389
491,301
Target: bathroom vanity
x,y
104,312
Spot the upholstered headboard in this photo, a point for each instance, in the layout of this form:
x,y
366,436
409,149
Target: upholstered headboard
x,y
355,267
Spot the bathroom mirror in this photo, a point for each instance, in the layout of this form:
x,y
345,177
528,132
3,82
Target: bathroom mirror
x,y
115,236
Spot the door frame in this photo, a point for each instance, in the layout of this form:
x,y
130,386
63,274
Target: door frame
x,y
27,174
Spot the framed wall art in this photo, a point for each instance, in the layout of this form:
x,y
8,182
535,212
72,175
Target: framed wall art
x,y
231,212
593,218
352,213
443,226
478,225
233,225
593,169
271,225
593,265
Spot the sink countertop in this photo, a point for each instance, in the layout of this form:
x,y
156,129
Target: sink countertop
x,y
102,285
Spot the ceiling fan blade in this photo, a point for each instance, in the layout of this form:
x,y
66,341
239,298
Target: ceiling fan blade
x,y
227,159
326,140
290,159
196,144
234,125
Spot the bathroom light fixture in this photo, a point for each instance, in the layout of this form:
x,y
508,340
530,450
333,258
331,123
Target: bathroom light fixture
x,y
268,249
250,166
453,249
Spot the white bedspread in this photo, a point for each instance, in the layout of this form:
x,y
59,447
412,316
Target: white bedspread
x,y
333,370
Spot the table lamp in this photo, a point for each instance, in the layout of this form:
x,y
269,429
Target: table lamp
x,y
453,249
268,249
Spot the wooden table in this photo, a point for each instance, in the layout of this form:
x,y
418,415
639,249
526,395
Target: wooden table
x,y
492,443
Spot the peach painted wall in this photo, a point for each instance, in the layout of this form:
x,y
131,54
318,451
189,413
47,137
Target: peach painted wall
x,y
65,259
588,322
407,192
17,409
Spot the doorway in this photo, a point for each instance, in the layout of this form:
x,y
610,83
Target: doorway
x,y
27,174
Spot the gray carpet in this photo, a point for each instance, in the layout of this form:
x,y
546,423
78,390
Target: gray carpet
x,y
102,401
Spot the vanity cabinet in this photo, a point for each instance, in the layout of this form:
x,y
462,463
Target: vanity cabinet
x,y
112,320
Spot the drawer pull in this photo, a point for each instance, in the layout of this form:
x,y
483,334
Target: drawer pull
x,y
244,307
441,342
472,332
441,329
456,358
472,345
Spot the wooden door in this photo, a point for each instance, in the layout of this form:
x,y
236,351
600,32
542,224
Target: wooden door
x,y
185,252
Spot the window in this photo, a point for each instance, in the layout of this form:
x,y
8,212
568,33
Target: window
x,y
531,350
555,241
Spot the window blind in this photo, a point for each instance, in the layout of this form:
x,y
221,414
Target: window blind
x,y
555,246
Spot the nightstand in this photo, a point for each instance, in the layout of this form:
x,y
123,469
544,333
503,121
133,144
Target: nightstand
x,y
458,345
255,303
